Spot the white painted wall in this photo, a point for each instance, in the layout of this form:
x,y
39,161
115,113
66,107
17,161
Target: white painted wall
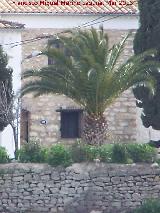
x,y
145,134
14,54
70,21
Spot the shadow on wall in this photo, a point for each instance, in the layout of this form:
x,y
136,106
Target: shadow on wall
x,y
80,204
91,201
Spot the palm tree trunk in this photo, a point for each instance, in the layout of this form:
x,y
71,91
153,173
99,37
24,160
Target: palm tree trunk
x,y
95,129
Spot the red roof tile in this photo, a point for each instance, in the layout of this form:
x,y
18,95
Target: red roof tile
x,y
74,7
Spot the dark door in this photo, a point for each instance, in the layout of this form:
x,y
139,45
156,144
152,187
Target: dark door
x,y
25,115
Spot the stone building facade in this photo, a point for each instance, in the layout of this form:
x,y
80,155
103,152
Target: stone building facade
x,y
43,117
40,118
44,122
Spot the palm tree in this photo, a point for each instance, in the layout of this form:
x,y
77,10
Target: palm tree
x,y
89,72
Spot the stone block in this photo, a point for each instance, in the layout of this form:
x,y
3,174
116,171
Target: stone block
x,y
17,179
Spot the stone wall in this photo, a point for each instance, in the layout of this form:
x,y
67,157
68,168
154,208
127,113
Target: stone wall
x,y
82,188
121,116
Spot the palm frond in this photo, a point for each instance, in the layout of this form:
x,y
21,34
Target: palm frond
x,y
90,72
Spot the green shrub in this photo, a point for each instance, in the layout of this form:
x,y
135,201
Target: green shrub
x,y
116,153
105,153
83,152
149,206
158,161
32,152
92,152
4,158
119,153
59,155
129,153
78,152
141,152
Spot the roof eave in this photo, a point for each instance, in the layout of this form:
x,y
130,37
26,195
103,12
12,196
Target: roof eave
x,y
73,14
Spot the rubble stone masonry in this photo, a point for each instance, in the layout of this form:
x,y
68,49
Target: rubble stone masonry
x,y
121,115
80,188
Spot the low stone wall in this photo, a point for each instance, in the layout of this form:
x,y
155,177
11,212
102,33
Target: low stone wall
x,y
81,188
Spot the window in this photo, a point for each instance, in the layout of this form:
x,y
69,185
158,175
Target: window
x,y
58,45
71,123
54,44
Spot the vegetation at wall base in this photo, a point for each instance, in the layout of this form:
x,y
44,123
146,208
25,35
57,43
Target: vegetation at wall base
x,y
143,153
78,152
119,153
155,144
82,152
4,158
105,153
114,153
149,206
32,152
59,155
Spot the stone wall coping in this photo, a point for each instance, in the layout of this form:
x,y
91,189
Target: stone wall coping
x,y
83,168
